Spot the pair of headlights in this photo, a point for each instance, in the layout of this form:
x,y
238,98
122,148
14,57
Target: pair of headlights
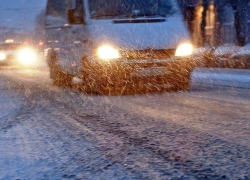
x,y
25,56
107,52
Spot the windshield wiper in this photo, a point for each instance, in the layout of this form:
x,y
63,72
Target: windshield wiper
x,y
105,15
150,15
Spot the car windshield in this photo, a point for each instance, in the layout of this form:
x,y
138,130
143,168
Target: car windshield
x,y
9,46
130,8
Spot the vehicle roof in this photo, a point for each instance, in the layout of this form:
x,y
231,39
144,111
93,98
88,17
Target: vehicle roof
x,y
3,43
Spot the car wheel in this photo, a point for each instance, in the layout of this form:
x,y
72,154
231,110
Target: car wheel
x,y
93,81
89,82
59,77
181,82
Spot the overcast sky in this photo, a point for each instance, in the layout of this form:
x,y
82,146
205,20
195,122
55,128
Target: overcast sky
x,y
20,13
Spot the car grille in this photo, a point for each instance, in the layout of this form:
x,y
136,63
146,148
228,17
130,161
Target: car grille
x,y
148,54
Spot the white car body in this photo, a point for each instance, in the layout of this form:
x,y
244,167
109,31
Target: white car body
x,y
71,42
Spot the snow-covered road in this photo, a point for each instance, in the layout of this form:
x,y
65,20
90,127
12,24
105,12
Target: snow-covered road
x,y
53,133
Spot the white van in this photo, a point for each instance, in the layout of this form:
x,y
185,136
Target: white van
x,y
118,42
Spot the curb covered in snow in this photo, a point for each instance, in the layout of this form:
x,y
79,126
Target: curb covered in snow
x,y
227,56
239,78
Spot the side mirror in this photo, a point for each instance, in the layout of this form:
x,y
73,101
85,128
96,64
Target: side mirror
x,y
71,16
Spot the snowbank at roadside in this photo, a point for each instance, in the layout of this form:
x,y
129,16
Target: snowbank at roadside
x,y
237,78
225,56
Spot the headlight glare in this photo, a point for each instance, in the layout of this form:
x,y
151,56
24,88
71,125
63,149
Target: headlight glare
x,y
184,49
26,56
107,52
2,56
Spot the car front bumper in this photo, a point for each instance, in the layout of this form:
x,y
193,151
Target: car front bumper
x,y
124,71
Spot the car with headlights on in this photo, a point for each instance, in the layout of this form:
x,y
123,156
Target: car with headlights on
x,y
112,44
8,52
17,53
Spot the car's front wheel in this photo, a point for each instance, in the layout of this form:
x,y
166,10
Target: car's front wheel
x,y
59,77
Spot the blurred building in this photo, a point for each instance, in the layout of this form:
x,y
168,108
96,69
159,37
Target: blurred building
x,y
227,26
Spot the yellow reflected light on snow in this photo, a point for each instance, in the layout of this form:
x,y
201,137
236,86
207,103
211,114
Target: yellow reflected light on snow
x,y
27,57
107,52
2,56
184,49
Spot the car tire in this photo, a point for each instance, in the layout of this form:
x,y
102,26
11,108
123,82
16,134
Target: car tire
x,y
93,81
89,83
181,82
59,77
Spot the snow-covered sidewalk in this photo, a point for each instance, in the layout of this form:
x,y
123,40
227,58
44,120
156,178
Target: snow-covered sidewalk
x,y
223,77
225,56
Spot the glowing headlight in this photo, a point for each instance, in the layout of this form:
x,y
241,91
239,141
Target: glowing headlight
x,y
2,56
26,56
107,53
184,49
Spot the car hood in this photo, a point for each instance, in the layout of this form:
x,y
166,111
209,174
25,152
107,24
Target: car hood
x,y
8,52
139,33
